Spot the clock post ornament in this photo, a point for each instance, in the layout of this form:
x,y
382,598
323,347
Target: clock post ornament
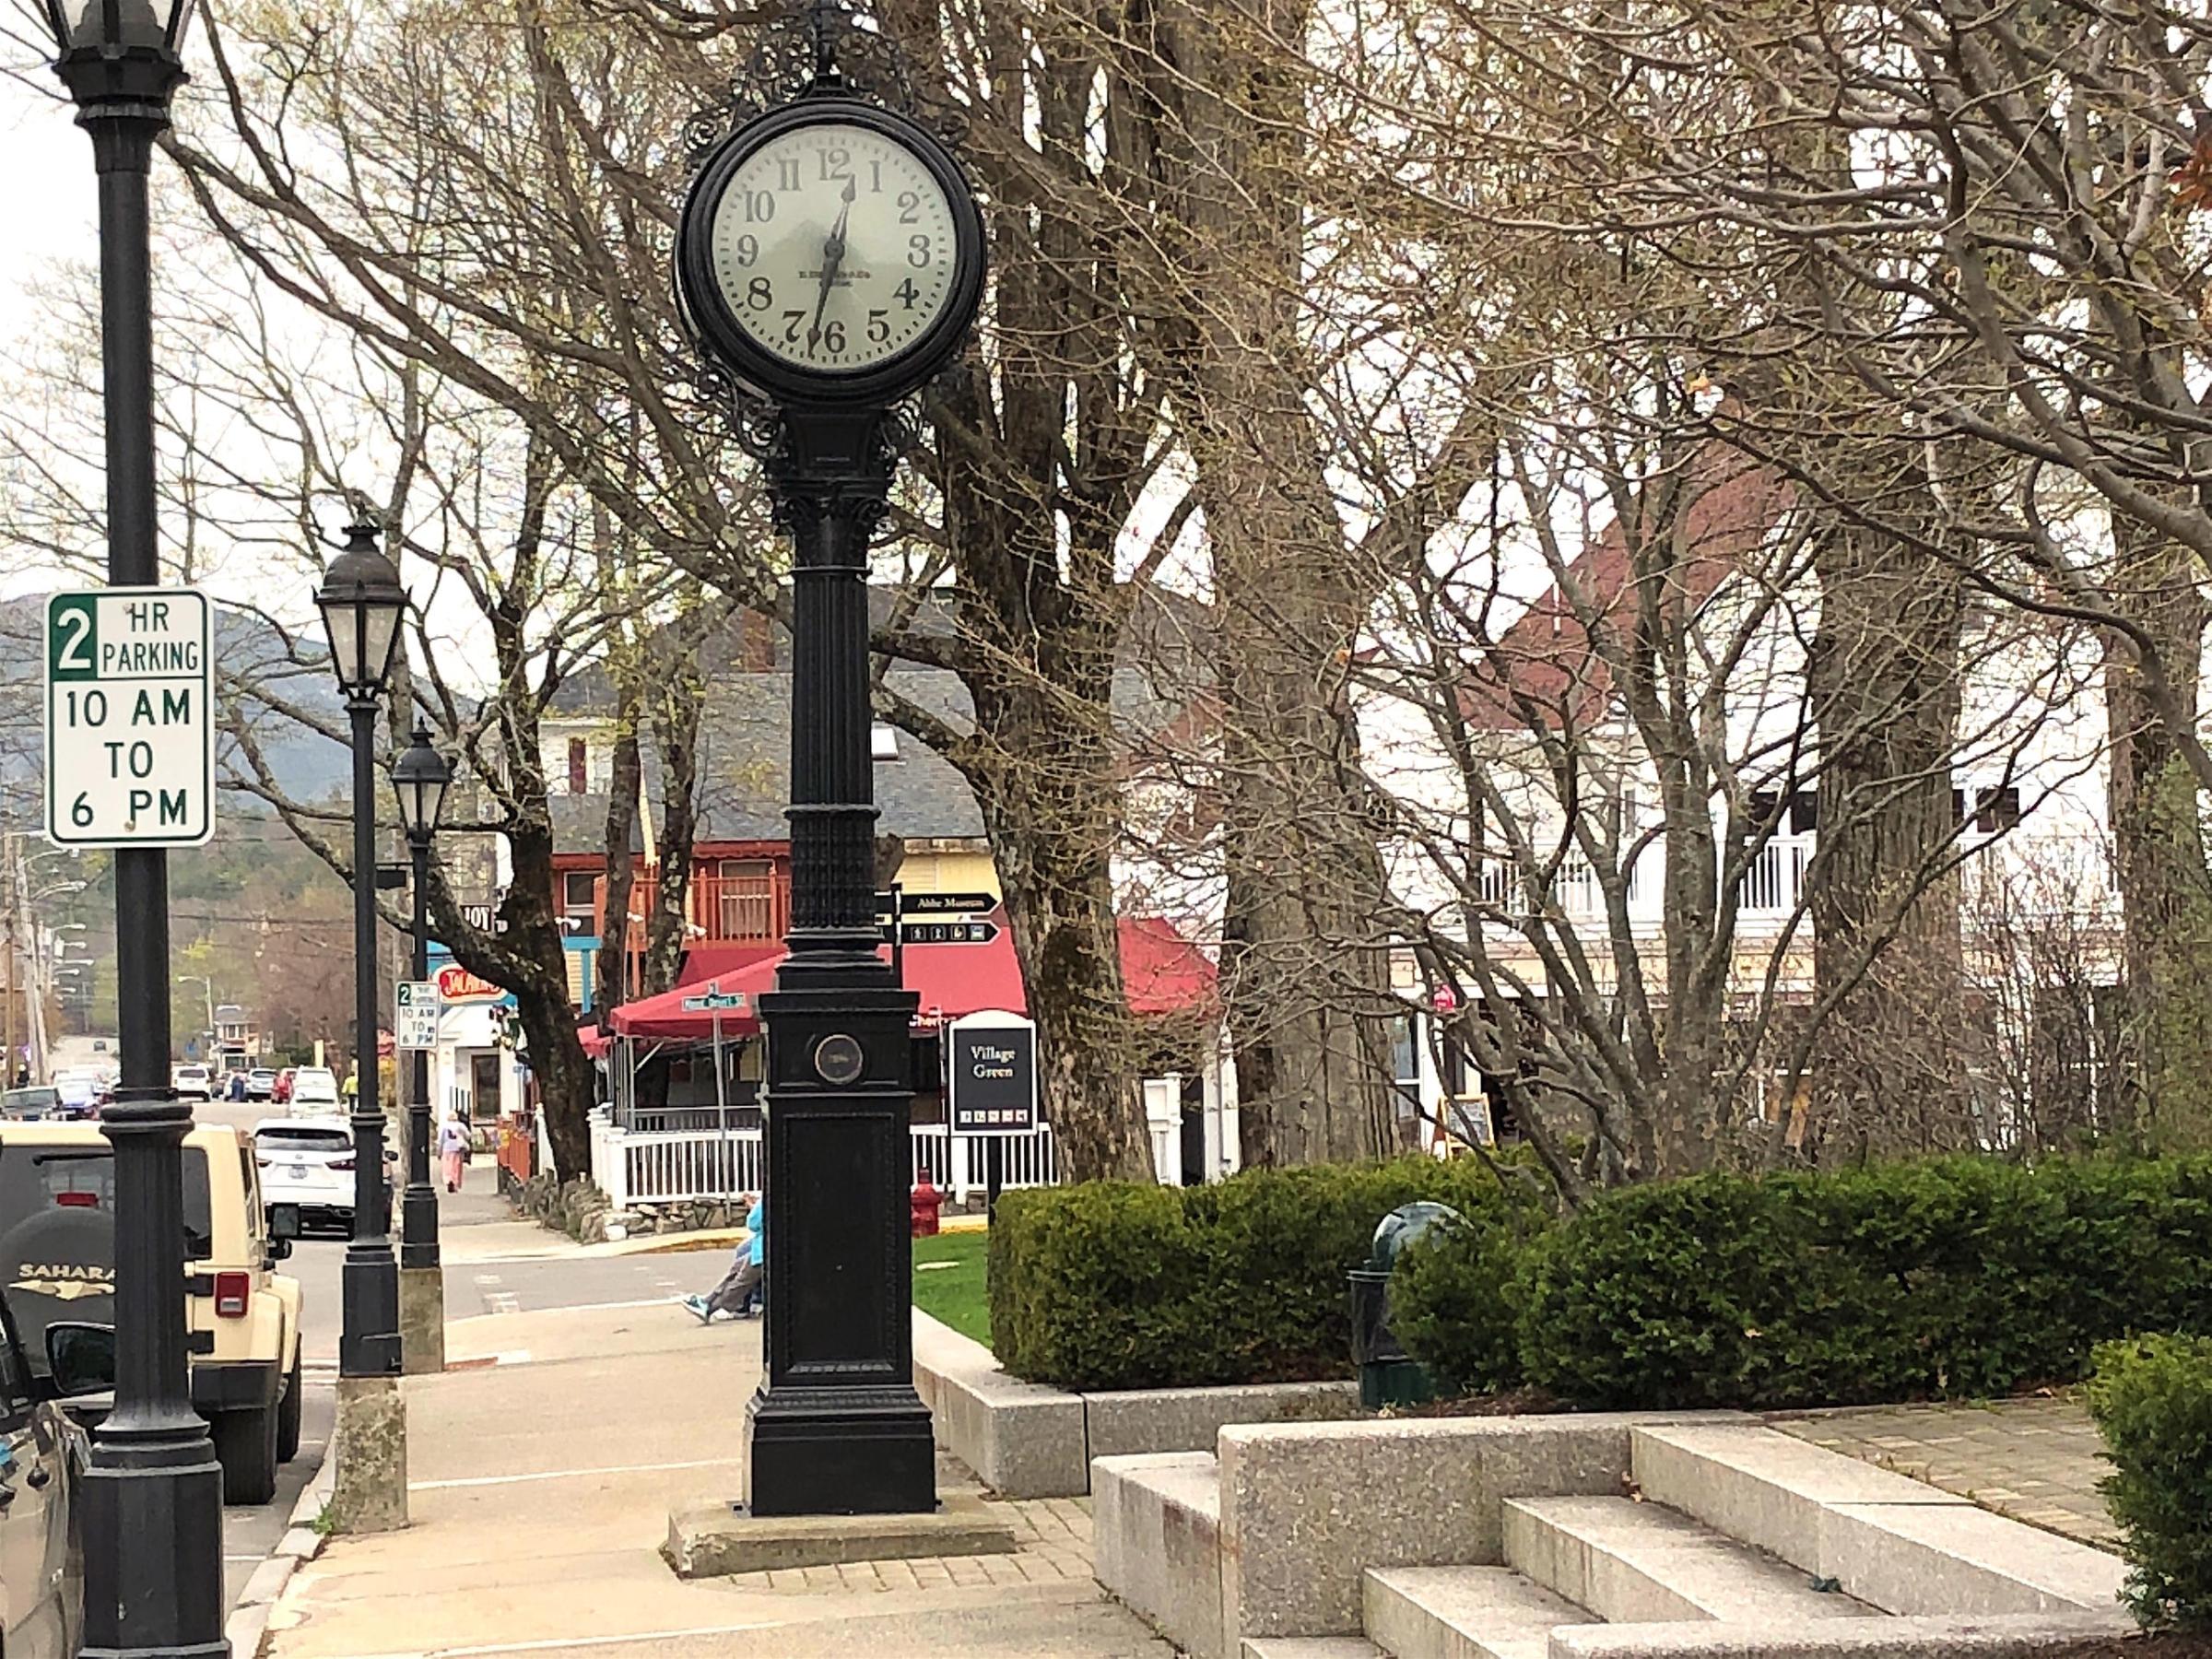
x,y
829,261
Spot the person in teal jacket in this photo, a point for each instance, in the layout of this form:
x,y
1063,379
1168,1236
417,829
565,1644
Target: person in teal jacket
x,y
738,1294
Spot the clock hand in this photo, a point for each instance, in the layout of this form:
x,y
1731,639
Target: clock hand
x,y
833,255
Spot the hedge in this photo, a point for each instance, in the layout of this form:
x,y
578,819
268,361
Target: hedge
x,y
1956,1276
1107,1284
2152,1400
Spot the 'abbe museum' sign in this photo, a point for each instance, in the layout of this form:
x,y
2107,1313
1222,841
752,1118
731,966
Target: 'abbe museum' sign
x,y
990,1074
130,738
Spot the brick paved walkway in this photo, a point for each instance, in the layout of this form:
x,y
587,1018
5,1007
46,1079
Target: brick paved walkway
x,y
2037,1461
1051,1541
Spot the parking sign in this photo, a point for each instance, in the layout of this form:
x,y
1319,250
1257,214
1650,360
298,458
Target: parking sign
x,y
130,733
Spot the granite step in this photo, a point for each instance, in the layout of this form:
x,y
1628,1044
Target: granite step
x,y
1461,1613
1637,1563
1311,1647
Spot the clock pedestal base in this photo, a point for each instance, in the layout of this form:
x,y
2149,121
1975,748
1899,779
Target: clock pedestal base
x,y
836,1427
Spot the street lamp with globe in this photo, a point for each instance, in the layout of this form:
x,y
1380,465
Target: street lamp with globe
x,y
152,1499
419,777
363,602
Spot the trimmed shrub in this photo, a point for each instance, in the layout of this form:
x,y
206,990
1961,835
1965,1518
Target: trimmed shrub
x,y
2152,1399
1455,1302
1956,1276
1113,1285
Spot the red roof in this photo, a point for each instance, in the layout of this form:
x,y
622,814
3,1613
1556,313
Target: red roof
x,y
1163,973
1546,657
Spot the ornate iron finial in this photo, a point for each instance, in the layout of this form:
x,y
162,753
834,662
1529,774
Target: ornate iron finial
x,y
825,21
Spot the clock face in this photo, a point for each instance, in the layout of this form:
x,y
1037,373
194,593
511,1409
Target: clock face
x,y
834,247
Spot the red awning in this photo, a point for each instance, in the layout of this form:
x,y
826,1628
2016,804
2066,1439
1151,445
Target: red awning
x,y
703,962
595,1044
1165,973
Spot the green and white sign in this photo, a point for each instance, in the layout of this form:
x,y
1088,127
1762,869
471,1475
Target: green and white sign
x,y
415,1007
130,733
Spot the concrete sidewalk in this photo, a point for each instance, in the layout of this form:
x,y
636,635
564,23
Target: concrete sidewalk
x,y
540,1492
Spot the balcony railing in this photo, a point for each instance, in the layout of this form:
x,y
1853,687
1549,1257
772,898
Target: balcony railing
x,y
723,909
1775,880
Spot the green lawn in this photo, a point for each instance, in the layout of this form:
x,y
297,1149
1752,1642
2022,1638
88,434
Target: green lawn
x,y
953,1292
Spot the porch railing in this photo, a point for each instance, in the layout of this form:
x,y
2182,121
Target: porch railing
x,y
674,1167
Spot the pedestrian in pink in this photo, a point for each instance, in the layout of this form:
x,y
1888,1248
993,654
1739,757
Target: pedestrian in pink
x,y
452,1148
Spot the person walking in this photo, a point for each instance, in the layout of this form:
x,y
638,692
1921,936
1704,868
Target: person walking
x,y
453,1151
738,1294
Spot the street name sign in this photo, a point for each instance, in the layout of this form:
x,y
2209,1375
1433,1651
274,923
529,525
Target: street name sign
x,y
130,730
990,1074
947,904
414,1008
713,1001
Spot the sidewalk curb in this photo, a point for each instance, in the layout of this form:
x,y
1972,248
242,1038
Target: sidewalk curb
x,y
248,1625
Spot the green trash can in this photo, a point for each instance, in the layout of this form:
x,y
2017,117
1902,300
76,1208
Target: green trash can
x,y
1388,1374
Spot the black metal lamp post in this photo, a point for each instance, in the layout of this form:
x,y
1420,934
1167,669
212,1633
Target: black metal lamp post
x,y
419,777
361,602
153,1498
862,291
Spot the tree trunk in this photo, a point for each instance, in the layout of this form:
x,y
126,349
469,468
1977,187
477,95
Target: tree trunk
x,y
675,709
1883,680
1305,971
2159,853
610,969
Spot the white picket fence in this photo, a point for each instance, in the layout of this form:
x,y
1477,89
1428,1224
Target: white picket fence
x,y
666,1166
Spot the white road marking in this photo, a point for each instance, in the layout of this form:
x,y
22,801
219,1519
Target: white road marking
x,y
502,1302
493,1480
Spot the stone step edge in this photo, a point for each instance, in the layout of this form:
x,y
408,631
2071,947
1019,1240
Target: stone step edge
x,y
1882,1636
1416,1612
1311,1647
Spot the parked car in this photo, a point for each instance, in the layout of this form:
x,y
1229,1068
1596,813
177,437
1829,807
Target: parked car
x,y
280,1091
307,1162
44,1455
192,1081
29,1105
76,1095
314,1091
261,1083
57,1263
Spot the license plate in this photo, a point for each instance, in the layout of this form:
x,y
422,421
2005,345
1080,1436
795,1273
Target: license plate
x,y
299,1171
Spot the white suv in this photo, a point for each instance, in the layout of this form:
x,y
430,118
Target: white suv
x,y
313,1087
309,1162
192,1080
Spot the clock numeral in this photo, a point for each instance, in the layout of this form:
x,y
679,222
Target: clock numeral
x,y
747,249
879,325
833,335
905,291
917,252
876,175
760,207
790,334
787,173
759,295
910,206
837,164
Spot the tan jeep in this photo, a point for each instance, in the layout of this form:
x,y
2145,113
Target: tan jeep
x,y
57,1264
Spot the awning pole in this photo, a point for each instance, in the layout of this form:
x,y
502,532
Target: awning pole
x,y
722,1105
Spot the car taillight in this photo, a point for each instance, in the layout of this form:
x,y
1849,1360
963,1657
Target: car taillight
x,y
341,1163
233,1293
77,1200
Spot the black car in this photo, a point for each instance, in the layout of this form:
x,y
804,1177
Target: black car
x,y
43,1454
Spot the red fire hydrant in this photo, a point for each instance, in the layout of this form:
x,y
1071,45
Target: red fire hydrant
x,y
923,1207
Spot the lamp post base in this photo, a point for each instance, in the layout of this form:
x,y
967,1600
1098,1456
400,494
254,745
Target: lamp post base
x,y
154,1571
839,1451
421,1320
369,1452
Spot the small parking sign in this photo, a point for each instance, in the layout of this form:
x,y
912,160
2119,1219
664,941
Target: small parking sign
x,y
130,733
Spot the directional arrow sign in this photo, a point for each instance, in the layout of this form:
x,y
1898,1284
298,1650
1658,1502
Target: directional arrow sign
x,y
950,932
713,1000
947,904
130,737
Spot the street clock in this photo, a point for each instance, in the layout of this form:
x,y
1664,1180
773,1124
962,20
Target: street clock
x,y
830,253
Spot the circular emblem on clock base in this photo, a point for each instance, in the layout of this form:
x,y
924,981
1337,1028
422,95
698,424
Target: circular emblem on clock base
x,y
838,1060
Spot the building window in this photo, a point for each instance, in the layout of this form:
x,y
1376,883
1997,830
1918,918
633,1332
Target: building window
x,y
1996,809
579,901
579,767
